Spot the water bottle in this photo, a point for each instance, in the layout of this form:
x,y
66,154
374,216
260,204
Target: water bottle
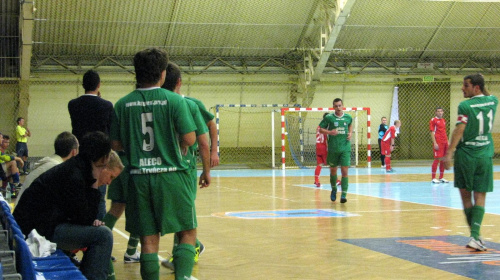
x,y
8,193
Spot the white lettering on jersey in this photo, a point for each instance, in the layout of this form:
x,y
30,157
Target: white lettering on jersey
x,y
149,161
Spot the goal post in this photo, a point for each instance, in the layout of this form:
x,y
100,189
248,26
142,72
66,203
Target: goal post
x,y
244,136
298,136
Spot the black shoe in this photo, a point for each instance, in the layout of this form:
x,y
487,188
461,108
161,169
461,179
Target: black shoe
x,y
343,200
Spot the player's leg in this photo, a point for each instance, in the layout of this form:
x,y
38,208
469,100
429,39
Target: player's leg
x,y
320,161
184,254
11,170
150,268
443,147
382,156
345,162
434,169
333,160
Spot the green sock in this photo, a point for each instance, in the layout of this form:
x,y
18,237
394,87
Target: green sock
x,y
333,182
184,261
176,243
109,220
344,182
476,220
133,240
111,272
150,268
468,215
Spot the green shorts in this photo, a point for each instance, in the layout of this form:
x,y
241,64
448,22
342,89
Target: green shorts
x,y
194,176
160,203
473,174
335,159
117,190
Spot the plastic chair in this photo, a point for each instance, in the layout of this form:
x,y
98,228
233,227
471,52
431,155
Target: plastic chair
x,y
27,269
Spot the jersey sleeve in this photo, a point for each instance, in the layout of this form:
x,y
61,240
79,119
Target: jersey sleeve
x,y
432,125
462,114
184,122
201,127
324,122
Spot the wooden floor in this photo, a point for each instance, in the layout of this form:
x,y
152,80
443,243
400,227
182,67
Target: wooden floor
x,y
245,242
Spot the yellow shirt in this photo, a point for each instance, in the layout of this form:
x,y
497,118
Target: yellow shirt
x,y
20,132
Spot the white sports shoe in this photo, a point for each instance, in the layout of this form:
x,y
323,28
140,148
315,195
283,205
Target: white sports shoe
x,y
383,166
135,258
435,181
476,244
443,180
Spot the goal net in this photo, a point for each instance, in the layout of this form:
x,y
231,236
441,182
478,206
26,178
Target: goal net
x,y
245,138
298,141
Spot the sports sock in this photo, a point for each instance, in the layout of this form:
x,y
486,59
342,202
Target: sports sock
x,y
387,163
441,170
133,240
109,220
184,261
26,164
476,220
150,268
333,182
468,215
382,159
15,177
344,182
434,168
111,272
316,173
176,242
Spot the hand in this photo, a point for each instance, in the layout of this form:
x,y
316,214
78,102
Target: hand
x,y
20,160
205,179
349,135
333,132
98,223
392,148
436,147
214,159
447,161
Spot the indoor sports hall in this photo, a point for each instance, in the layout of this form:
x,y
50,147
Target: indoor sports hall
x,y
268,70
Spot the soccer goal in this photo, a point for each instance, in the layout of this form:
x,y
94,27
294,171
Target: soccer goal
x,y
245,138
298,136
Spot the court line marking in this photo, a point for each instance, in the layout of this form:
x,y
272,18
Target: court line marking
x,y
259,194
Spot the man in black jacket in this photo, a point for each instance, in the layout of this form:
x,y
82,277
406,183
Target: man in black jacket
x,y
62,204
89,113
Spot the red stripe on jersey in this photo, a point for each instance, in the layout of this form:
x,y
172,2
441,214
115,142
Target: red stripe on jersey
x,y
462,119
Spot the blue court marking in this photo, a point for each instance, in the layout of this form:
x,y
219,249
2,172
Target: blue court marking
x,y
296,213
325,172
446,253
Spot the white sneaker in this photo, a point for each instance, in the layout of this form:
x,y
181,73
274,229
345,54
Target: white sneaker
x,y
383,166
476,244
435,181
443,180
135,258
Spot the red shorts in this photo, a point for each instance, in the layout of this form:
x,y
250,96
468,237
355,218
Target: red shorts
x,y
443,147
321,158
385,149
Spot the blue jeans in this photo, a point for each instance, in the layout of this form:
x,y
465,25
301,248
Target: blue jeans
x,y
97,240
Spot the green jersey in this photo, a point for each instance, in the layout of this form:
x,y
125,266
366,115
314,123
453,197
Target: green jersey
x,y
478,114
339,142
207,116
201,128
148,123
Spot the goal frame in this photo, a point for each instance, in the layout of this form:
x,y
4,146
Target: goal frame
x,y
348,109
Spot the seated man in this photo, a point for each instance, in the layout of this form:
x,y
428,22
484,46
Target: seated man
x,y
65,146
62,204
9,168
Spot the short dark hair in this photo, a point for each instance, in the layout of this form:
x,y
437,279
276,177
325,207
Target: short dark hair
x,y
94,146
19,119
6,137
439,108
64,143
91,80
149,64
337,100
173,75
324,115
476,80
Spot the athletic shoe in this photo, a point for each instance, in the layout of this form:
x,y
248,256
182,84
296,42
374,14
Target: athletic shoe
x,y
480,239
435,181
343,200
390,171
199,251
74,259
333,195
169,263
476,244
113,259
383,166
443,180
135,258
317,184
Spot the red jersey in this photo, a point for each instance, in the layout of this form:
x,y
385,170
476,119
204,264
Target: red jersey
x,y
438,126
321,146
389,134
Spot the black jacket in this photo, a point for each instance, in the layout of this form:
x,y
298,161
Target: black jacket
x,y
90,113
63,194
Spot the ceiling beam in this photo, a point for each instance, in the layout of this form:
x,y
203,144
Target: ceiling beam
x,y
332,38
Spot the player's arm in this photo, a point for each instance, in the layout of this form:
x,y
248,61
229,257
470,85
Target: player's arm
x,y
457,134
328,132
188,139
350,132
28,133
19,160
116,145
205,159
433,135
214,156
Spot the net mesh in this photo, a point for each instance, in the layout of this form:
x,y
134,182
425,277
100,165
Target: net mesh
x,y
300,137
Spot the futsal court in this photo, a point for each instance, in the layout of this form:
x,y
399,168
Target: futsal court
x,y
275,224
